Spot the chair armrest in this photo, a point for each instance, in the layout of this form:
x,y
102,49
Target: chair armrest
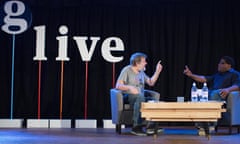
x,y
116,104
233,106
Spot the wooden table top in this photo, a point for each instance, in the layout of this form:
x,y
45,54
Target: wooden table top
x,y
182,111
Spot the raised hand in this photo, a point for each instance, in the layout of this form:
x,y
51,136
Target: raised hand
x,y
187,71
159,67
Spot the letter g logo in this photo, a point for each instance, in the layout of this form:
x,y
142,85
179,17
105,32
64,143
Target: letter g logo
x,y
15,17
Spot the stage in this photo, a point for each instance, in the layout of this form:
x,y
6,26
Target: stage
x,y
178,135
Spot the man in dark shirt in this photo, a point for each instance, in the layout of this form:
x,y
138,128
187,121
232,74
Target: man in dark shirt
x,y
221,83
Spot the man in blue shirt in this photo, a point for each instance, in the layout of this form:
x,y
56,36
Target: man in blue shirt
x,y
221,83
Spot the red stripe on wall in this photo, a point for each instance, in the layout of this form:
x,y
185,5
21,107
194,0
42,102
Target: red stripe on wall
x,y
113,75
61,89
86,91
39,88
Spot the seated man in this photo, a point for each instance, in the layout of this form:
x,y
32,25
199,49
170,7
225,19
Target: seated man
x,y
223,82
131,81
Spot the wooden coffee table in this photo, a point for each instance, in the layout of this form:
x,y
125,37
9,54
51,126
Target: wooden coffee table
x,y
182,112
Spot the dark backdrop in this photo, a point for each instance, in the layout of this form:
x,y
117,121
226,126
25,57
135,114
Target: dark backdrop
x,y
179,32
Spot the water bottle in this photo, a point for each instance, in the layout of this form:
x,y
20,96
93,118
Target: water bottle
x,y
194,95
204,92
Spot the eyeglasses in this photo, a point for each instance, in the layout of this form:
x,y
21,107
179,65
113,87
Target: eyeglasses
x,y
222,63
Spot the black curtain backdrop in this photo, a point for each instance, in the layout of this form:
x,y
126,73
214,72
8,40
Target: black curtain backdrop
x,y
178,32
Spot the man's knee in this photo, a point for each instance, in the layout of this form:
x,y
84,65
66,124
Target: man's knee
x,y
141,99
214,95
138,98
152,95
156,96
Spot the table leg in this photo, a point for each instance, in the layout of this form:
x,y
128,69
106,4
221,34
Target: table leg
x,y
207,130
155,131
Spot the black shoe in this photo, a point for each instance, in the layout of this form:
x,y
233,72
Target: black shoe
x,y
151,131
137,130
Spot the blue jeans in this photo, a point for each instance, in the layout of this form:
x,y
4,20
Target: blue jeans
x,y
214,95
135,101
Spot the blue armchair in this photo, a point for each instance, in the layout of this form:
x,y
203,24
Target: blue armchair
x,y
121,110
231,118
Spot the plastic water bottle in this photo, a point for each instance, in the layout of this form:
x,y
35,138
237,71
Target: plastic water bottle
x,y
204,92
194,95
